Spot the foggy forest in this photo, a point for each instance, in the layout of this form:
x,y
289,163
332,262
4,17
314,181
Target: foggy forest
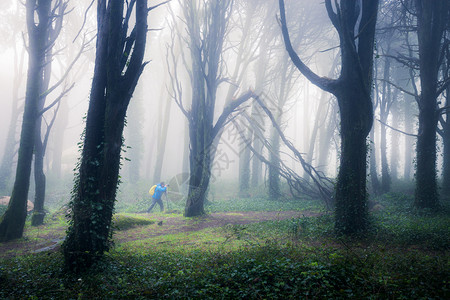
x,y
225,149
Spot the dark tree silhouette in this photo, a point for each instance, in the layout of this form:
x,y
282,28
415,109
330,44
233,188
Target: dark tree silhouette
x,y
40,136
39,18
205,43
446,125
118,65
355,25
432,17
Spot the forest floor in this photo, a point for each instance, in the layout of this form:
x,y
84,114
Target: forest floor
x,y
49,237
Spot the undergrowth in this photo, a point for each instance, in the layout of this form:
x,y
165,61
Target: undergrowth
x,y
405,255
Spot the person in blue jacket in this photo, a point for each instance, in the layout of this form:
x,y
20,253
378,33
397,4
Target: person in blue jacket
x,y
160,189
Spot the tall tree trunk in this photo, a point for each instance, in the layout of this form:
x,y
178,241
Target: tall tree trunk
x,y
6,166
409,141
257,115
306,127
256,164
200,166
118,66
244,164
353,93
134,136
431,19
13,221
58,138
373,164
185,166
326,135
38,215
351,195
274,157
395,137
446,130
446,150
384,113
319,121
162,140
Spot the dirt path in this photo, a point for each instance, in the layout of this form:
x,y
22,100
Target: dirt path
x,y
180,224
165,224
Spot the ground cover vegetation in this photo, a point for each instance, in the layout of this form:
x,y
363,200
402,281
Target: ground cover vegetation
x,y
404,256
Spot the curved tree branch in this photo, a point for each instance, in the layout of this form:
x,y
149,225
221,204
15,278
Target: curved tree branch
x,y
324,83
230,108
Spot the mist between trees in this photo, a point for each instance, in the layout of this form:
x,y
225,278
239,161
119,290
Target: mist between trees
x,y
334,100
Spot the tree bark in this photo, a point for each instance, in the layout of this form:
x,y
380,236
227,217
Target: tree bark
x,y
352,90
38,215
13,221
118,66
205,49
373,164
431,19
446,130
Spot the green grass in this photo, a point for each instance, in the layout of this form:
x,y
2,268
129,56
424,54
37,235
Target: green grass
x,y
270,270
262,204
404,256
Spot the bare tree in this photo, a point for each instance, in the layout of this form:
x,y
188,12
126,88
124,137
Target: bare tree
x,y
40,17
206,24
355,23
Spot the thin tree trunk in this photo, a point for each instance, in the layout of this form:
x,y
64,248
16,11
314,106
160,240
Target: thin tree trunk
x,y
373,164
185,166
384,113
256,164
326,135
58,139
409,141
161,146
395,137
274,167
446,150
134,136
446,131
9,153
317,120
39,179
244,164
